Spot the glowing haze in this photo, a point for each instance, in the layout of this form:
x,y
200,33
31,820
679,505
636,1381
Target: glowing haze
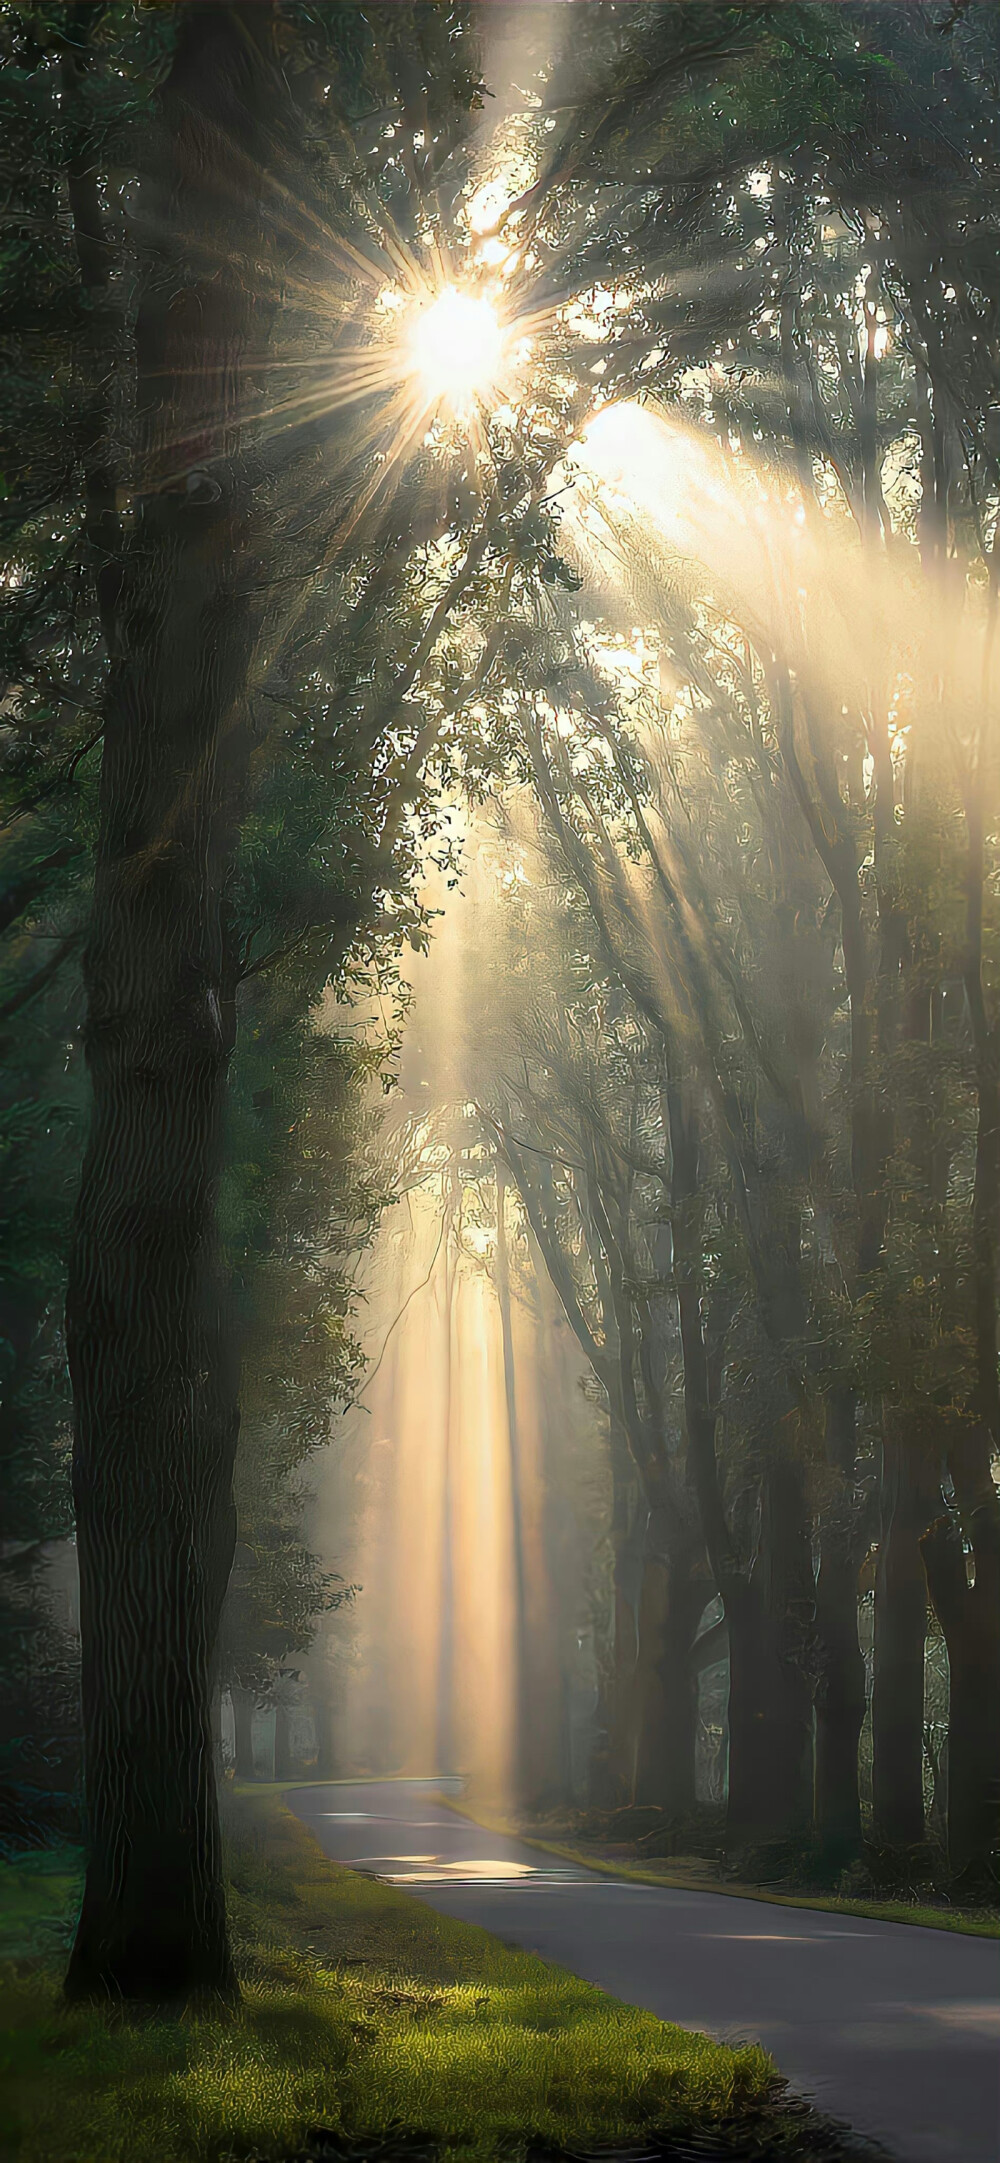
x,y
435,1500
457,344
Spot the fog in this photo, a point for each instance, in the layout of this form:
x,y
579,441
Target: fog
x,y
464,1494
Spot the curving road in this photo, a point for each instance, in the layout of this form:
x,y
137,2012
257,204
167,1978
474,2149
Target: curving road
x,y
893,2028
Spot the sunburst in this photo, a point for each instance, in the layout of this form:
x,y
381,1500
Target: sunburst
x,y
457,345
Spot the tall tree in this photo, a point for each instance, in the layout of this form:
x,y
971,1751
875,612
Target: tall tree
x,y
154,1388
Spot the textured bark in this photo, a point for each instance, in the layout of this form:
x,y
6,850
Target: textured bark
x,y
154,1387
908,1490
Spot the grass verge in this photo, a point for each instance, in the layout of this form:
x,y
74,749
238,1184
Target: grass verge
x,y
688,1873
39,1898
363,2012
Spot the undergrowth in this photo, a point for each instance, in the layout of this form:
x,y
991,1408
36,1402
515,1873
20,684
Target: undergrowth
x,y
641,1845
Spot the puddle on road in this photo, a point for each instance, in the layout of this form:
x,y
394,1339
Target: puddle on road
x,y
480,1870
373,1817
977,2016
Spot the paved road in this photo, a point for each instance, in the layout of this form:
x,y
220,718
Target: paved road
x,y
895,2029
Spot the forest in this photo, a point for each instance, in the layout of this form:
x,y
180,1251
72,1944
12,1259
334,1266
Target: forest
x,y
499,793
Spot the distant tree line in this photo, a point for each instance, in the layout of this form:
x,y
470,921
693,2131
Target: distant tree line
x,y
749,1049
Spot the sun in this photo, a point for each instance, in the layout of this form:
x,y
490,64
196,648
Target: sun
x,y
456,346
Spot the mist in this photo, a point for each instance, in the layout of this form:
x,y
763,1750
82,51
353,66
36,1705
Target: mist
x,y
500,1107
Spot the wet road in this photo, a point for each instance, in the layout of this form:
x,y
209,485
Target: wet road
x,y
893,2028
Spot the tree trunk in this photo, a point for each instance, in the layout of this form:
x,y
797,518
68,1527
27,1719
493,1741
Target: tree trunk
x,y
651,1711
547,1761
749,1811
611,1769
243,1708
667,1710
326,1749
907,1490
522,1769
839,1701
154,1386
768,1740
840,1687
770,1712
970,1618
769,1611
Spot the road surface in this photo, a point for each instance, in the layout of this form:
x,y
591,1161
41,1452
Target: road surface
x,y
893,2028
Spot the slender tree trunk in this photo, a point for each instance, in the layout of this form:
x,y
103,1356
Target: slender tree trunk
x,y
769,1762
601,1793
770,1712
611,1769
986,1191
767,1722
970,1618
907,1496
751,1803
445,1745
750,1806
653,1711
547,1764
243,1709
840,1688
672,1604
521,1770
785,1560
973,1768
628,1565
154,1388
840,1699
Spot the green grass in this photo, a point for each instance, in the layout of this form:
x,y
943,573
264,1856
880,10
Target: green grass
x,y
39,1898
688,1874
362,2011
